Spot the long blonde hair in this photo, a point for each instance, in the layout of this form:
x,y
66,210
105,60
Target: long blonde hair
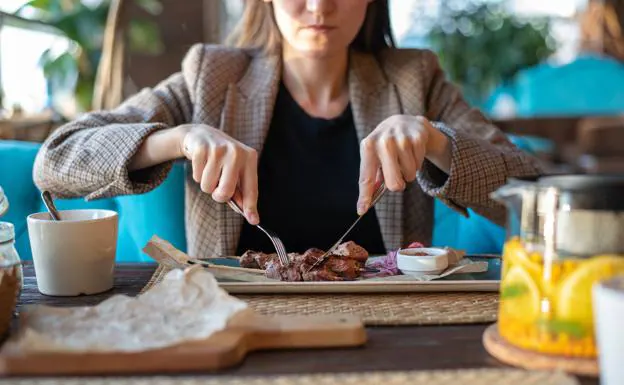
x,y
257,29
602,28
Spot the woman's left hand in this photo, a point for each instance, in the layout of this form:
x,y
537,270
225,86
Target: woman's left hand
x,y
395,151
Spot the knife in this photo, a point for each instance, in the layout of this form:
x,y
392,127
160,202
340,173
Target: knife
x,y
376,196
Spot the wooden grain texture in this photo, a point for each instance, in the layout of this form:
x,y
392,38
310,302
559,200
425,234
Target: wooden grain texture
x,y
246,332
388,348
169,257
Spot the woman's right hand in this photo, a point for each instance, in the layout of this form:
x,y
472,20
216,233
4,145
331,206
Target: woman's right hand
x,y
223,167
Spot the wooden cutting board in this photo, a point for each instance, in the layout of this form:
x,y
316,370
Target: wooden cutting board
x,y
246,332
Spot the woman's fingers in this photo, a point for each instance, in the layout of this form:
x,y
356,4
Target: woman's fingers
x,y
387,151
419,149
231,165
239,178
396,149
369,166
249,187
198,156
407,161
211,174
223,167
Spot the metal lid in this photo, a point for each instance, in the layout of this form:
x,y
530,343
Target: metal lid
x,y
591,191
585,182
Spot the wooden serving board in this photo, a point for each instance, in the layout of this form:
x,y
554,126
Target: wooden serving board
x,y
246,332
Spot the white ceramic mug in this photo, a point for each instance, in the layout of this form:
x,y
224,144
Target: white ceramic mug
x,y
76,255
608,304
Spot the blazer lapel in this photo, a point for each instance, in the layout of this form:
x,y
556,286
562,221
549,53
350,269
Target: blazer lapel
x,y
247,117
373,99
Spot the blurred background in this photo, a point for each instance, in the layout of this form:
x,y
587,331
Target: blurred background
x,y
548,72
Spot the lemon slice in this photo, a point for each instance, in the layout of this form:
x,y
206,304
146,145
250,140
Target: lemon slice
x,y
574,302
516,255
520,295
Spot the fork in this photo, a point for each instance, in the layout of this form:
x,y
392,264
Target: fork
x,y
277,243
376,196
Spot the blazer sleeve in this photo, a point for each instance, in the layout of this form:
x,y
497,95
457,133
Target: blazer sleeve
x,y
482,156
89,156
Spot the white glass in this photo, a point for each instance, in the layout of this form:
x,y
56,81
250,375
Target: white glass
x,y
608,298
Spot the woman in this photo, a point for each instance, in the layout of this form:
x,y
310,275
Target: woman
x,y
300,118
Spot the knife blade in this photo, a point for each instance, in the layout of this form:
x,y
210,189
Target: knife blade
x,y
376,196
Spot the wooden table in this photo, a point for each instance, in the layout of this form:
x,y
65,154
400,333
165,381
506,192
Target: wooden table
x,y
389,348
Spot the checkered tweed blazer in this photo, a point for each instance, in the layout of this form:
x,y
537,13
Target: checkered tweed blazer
x,y
235,90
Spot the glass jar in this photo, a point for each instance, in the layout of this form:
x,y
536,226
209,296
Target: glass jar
x,y
565,233
11,276
4,202
9,258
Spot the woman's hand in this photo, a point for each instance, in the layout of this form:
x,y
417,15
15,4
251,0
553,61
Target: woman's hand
x,y
395,151
223,167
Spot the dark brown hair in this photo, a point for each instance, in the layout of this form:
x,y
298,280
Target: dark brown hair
x,y
602,28
257,28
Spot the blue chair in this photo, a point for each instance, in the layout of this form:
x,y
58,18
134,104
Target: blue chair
x,y
589,85
158,212
475,234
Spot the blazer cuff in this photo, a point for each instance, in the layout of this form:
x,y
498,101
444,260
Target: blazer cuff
x,y
477,168
115,146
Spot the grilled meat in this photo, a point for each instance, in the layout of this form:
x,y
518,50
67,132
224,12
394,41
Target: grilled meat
x,y
344,264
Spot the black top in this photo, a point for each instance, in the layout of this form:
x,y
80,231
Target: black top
x,y
308,183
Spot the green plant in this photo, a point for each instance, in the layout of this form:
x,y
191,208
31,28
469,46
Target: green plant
x,y
75,68
483,46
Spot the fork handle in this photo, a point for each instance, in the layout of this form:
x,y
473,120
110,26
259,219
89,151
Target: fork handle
x,y
236,203
234,206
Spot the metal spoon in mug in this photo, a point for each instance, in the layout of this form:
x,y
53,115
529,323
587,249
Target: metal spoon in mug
x,y
49,203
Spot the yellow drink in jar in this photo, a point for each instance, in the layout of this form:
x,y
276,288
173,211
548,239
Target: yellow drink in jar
x,y
546,306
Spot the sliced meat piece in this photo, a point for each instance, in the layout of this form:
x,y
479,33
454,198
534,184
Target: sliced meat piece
x,y
249,260
272,271
265,259
256,259
351,250
289,273
309,257
345,264
349,269
321,275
